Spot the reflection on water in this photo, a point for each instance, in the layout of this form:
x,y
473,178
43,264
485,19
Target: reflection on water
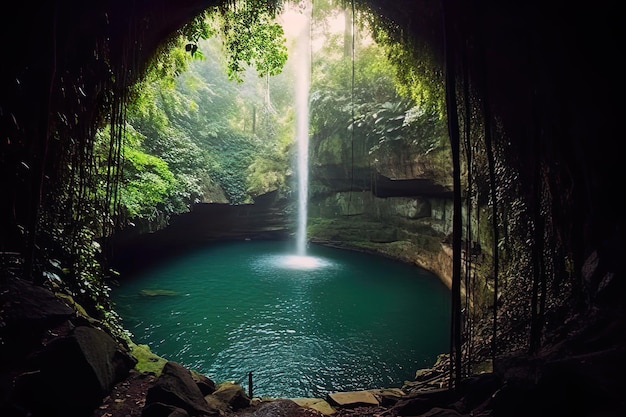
x,y
301,262
334,320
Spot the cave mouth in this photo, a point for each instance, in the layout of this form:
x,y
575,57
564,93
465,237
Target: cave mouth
x,y
533,72
307,325
231,308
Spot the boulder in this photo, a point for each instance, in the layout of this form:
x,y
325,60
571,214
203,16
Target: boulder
x,y
206,385
28,311
413,406
283,408
233,395
72,374
163,410
25,304
176,387
316,404
352,398
216,404
388,396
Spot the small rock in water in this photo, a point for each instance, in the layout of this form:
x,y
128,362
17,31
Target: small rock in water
x,y
157,293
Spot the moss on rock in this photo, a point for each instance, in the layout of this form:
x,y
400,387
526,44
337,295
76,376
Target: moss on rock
x,y
146,360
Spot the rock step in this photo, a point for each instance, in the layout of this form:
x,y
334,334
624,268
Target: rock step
x,y
353,398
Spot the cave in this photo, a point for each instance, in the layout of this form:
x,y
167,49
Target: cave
x,y
543,75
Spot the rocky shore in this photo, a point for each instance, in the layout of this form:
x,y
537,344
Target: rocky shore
x,y
58,361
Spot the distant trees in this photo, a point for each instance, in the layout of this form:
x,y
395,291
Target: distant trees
x,y
367,101
197,128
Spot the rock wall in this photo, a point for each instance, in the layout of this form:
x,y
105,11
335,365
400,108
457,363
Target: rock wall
x,y
267,218
411,229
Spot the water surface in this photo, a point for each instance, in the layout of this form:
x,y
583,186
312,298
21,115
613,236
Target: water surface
x,y
335,320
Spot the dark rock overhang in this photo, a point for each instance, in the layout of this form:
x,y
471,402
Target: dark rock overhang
x,y
384,187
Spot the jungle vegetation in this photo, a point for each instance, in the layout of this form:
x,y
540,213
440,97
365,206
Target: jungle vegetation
x,y
218,125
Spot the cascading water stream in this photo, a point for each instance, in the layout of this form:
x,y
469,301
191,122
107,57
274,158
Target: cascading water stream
x,y
303,65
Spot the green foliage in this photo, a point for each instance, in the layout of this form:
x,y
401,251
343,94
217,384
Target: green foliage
x,y
382,104
416,75
267,173
147,181
337,99
207,130
172,57
230,160
386,124
398,124
186,136
251,37
197,30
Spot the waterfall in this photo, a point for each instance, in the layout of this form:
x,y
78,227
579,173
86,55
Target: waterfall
x,y
303,80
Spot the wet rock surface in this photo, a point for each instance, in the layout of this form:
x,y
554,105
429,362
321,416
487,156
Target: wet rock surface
x,y
53,362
